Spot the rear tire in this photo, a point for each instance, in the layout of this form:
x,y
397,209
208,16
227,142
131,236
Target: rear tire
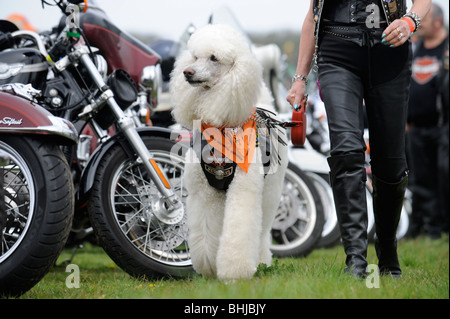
x,y
299,222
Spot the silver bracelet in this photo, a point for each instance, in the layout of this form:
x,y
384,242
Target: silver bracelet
x,y
413,16
299,77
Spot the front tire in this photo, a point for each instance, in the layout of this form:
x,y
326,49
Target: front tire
x,y
121,208
39,202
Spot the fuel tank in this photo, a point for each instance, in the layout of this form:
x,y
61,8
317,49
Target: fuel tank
x,y
21,116
120,49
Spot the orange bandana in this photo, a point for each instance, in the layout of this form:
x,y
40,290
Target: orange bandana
x,y
237,144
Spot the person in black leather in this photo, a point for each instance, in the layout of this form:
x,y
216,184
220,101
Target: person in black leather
x,y
363,54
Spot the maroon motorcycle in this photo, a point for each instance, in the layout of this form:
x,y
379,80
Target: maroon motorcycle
x,y
38,198
129,190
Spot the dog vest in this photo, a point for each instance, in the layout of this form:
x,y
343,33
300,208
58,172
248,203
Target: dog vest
x,y
221,150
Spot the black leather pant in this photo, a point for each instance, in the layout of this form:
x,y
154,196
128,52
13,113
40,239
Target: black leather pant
x,y
376,77
350,74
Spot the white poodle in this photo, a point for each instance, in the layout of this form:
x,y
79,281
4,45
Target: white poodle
x,y
215,88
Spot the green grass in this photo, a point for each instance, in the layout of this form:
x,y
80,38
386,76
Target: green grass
x,y
425,265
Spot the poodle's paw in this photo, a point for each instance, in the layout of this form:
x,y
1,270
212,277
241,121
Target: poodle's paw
x,y
235,270
203,265
265,257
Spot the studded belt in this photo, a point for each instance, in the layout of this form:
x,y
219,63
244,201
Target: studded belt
x,y
360,35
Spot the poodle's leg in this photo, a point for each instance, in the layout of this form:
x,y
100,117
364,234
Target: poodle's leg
x,y
238,253
273,187
205,208
265,255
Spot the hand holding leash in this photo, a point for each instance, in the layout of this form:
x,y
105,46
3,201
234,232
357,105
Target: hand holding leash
x,y
296,94
298,132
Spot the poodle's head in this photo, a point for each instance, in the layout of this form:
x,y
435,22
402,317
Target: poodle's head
x,y
214,51
216,80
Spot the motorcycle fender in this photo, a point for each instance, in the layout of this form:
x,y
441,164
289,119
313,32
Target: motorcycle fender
x,y
88,175
21,116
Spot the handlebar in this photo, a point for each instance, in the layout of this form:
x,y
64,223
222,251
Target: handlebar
x,y
36,38
82,5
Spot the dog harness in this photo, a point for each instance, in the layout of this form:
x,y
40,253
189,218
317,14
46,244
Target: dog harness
x,y
221,150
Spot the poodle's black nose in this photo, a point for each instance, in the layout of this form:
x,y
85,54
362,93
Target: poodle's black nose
x,y
188,73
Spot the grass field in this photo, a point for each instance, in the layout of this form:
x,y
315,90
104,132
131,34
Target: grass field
x,y
425,265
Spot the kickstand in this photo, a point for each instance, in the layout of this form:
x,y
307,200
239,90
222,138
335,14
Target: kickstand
x,y
69,261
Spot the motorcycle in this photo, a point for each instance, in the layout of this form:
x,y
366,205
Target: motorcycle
x,y
37,194
299,221
130,188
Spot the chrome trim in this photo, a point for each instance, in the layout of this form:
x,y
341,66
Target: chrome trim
x,y
35,36
60,127
151,80
63,128
10,70
102,66
26,91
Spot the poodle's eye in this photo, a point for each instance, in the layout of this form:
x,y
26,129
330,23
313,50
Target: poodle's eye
x,y
213,58
195,58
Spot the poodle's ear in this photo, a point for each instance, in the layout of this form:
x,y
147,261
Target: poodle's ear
x,y
182,61
230,101
246,76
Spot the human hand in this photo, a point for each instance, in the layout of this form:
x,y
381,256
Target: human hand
x,y
296,94
396,33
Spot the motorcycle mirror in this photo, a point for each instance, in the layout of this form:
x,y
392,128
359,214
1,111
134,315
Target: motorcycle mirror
x,y
7,26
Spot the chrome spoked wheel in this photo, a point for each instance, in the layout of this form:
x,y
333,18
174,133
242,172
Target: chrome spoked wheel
x,y
37,210
134,200
299,222
126,208
19,201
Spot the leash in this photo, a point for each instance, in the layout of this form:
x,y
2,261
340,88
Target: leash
x,y
270,122
297,125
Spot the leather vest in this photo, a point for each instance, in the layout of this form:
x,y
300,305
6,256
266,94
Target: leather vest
x,y
391,9
352,11
349,11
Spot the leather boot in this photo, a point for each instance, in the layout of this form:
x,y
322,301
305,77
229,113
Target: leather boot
x,y
348,177
387,207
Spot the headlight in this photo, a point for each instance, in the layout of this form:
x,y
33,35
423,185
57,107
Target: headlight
x,y
151,80
102,66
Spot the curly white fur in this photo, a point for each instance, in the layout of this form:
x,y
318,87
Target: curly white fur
x,y
217,102
229,232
